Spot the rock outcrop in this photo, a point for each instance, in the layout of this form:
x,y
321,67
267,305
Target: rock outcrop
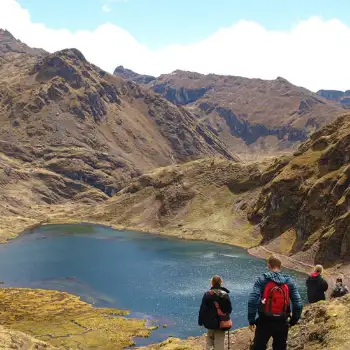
x,y
11,339
310,195
341,97
133,76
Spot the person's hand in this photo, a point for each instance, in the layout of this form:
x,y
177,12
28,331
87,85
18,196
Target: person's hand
x,y
252,327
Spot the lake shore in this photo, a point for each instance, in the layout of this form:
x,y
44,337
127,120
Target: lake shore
x,y
12,228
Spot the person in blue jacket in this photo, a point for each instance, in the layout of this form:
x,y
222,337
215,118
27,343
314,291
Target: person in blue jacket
x,y
268,324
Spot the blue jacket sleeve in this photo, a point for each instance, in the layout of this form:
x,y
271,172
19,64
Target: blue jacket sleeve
x,y
254,301
297,304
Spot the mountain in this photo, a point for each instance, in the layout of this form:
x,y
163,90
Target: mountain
x,y
131,75
249,115
342,97
68,116
305,210
295,205
71,131
11,48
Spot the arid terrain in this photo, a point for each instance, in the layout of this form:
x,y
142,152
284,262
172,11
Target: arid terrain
x,y
252,116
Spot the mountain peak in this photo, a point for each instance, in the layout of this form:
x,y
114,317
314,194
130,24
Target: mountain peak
x,y
9,45
5,34
129,74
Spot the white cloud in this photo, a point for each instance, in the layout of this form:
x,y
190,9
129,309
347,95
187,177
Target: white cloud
x,y
314,53
106,8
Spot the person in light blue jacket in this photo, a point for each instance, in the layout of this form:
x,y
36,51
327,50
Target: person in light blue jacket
x,y
272,294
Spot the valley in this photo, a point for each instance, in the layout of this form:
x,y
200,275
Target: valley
x,y
262,165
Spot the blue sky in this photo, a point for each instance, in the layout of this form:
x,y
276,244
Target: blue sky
x,y
160,22
304,41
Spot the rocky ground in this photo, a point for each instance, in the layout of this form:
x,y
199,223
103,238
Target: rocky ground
x,y
10,339
323,326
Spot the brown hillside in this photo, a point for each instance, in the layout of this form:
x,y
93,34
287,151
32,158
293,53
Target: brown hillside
x,y
63,114
249,115
309,199
205,199
297,205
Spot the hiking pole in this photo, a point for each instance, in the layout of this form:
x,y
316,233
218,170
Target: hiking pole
x,y
228,340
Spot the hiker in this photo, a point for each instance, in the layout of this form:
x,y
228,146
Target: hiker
x,y
316,285
215,300
339,289
271,297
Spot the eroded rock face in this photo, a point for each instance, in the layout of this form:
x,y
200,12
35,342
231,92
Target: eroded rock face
x,y
341,97
131,75
311,194
249,115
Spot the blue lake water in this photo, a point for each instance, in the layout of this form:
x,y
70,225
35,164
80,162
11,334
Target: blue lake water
x,y
158,278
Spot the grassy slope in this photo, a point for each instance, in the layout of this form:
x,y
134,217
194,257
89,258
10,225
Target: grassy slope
x,y
65,321
204,199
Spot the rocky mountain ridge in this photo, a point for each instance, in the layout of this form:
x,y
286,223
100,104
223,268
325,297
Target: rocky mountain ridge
x,y
68,116
341,97
249,115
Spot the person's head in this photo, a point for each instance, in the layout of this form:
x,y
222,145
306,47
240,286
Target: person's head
x,y
273,263
339,280
216,281
318,269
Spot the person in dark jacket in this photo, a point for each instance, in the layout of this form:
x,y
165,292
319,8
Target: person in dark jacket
x,y
208,316
265,326
316,285
339,289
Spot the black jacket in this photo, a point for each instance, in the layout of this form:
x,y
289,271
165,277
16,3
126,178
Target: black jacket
x,y
316,288
208,316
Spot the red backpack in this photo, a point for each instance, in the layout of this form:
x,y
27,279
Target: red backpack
x,y
275,300
225,322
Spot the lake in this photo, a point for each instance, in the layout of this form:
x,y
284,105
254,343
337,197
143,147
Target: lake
x,y
155,277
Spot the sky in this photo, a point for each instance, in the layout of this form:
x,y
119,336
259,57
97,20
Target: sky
x,y
304,41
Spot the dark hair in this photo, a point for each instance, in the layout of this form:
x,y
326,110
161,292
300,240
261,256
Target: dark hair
x,y
274,262
339,279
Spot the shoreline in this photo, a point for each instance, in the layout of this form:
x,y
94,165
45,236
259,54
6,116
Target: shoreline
x,y
258,251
